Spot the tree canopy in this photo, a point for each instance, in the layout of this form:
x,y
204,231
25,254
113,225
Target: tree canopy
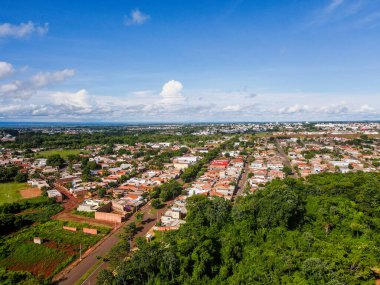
x,y
322,230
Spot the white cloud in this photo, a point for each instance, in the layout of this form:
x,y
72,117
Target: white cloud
x,y
365,109
334,109
326,109
297,108
22,30
45,78
79,101
10,87
16,90
32,98
171,93
136,17
5,69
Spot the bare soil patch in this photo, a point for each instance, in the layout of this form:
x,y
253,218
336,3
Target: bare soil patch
x,y
30,193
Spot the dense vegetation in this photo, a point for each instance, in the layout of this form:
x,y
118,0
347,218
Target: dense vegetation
x,y
27,140
9,277
26,212
11,173
322,230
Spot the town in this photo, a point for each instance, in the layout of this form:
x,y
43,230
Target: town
x,y
82,199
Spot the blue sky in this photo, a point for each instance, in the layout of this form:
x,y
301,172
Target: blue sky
x,y
189,60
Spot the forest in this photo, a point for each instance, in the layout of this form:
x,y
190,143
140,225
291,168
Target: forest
x,y
33,139
321,230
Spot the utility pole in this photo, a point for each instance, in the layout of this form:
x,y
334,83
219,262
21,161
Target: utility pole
x,y
80,252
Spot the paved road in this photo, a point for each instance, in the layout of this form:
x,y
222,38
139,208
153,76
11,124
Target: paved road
x,y
89,261
285,159
242,181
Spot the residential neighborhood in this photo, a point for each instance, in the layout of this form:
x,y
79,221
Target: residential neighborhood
x,y
117,184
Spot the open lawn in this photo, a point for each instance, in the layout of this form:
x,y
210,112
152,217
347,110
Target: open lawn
x,y
263,135
62,152
59,247
9,192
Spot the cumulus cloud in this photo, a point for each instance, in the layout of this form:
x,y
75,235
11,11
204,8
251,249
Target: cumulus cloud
x,y
22,30
31,97
171,93
5,69
24,89
16,90
45,78
78,101
136,17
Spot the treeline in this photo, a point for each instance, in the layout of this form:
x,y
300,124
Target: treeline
x,y
167,191
322,230
31,139
164,157
12,217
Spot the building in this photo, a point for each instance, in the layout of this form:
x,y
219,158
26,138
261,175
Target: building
x,y
55,194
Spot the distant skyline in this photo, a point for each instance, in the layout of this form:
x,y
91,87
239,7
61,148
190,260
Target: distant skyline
x,y
189,61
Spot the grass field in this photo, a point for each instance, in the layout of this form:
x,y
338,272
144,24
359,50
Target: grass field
x,y
9,192
59,248
62,152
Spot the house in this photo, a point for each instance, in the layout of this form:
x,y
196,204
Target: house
x,y
38,183
183,162
55,194
89,205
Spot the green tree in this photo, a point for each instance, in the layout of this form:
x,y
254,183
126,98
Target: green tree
x,y
156,203
21,177
139,216
55,160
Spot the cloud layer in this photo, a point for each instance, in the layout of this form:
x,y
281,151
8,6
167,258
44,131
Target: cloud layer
x,y
45,96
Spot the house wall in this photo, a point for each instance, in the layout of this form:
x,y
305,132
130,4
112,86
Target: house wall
x,y
90,231
109,217
72,229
